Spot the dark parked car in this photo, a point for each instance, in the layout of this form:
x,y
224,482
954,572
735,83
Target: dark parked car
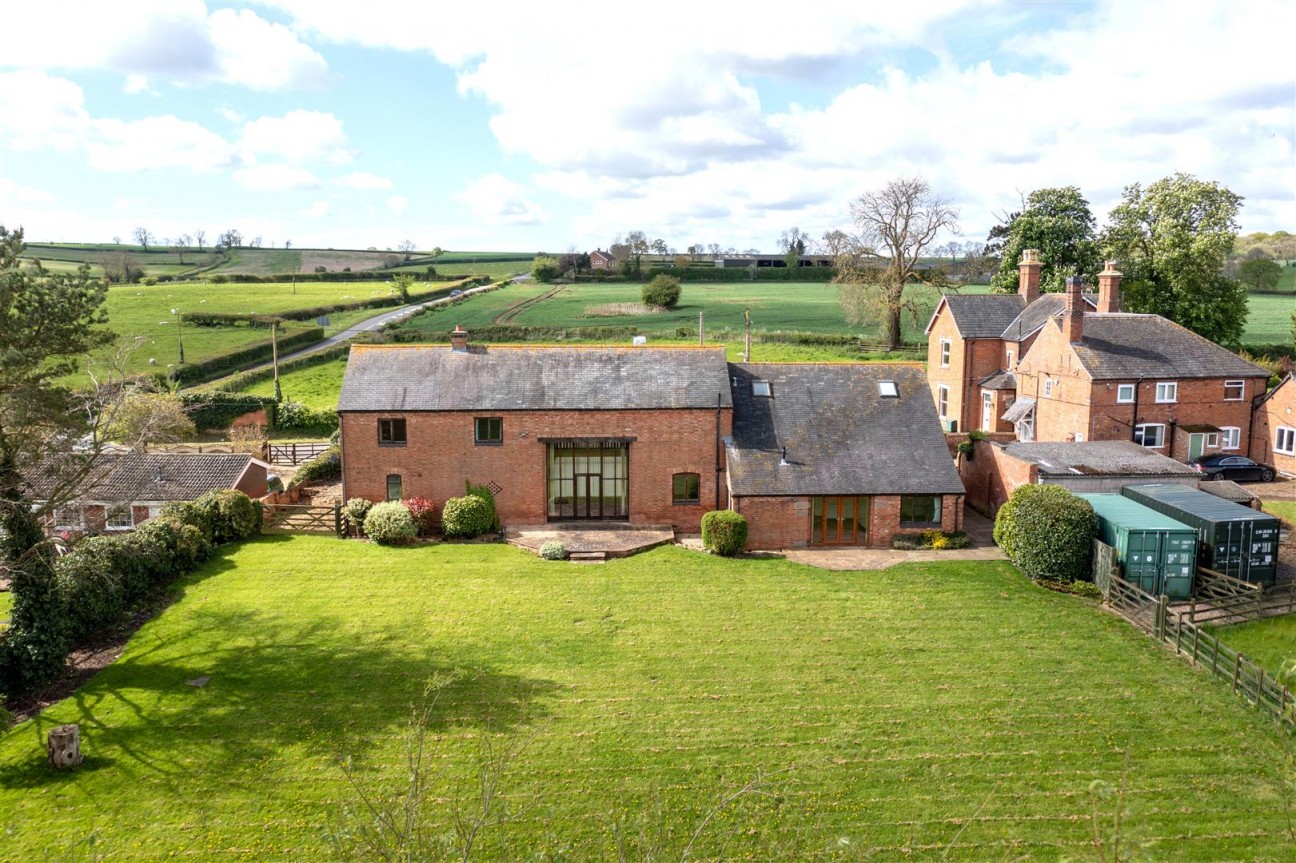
x,y
1238,468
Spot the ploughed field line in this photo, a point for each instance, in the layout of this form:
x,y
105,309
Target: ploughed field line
x,y
510,314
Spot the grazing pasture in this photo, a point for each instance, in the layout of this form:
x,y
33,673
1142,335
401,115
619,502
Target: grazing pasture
x,y
1269,643
1269,319
929,711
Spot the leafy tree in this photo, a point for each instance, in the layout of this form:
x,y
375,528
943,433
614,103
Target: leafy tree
x,y
1260,274
662,292
1059,223
793,244
896,224
49,321
403,283
1172,240
148,417
545,269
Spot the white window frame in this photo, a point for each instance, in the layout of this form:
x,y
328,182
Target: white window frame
x,y
1167,388
946,348
1288,433
62,522
942,400
1230,437
1212,440
128,511
1121,390
1141,437
1241,391
1048,388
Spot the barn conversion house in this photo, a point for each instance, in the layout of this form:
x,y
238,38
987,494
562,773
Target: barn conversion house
x,y
811,453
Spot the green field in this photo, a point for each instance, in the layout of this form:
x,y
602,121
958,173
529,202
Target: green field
x,y
1270,643
317,385
935,711
1269,319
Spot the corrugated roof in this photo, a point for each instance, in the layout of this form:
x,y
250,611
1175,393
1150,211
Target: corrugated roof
x,y
1123,512
1018,410
1195,503
1126,347
1096,458
1230,490
842,436
532,377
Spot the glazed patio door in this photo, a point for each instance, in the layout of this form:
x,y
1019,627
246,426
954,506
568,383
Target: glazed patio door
x,y
588,481
839,520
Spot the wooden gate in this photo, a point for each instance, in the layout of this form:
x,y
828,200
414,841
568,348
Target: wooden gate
x,y
296,453
301,518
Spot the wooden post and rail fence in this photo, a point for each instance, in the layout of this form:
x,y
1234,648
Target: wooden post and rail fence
x,y
1199,646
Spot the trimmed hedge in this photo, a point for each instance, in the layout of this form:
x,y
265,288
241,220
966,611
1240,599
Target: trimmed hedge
x,y
1048,533
230,319
468,516
220,365
298,417
553,550
390,523
724,532
216,410
423,511
746,274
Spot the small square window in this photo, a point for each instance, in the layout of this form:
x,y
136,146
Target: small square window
x,y
1230,437
1150,435
120,518
1125,394
489,431
920,509
1285,440
391,432
761,388
1167,392
1234,391
686,488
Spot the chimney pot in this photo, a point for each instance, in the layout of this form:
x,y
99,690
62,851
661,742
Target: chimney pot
x,y
1109,289
459,339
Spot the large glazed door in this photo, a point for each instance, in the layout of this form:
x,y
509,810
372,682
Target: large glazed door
x,y
839,520
588,481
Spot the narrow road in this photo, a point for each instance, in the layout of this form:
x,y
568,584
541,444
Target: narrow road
x,y
368,325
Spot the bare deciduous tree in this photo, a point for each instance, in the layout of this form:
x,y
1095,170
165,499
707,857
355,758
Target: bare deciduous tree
x,y
142,237
200,237
895,224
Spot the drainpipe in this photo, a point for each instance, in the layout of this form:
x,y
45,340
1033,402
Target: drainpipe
x,y
1174,424
719,398
1138,385
964,397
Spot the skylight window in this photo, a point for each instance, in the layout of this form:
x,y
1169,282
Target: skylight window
x,y
888,390
761,388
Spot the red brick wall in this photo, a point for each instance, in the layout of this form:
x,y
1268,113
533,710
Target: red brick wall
x,y
991,476
440,455
1278,411
784,522
253,481
970,362
1079,406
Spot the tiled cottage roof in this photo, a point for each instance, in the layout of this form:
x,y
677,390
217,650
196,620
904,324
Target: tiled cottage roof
x,y
842,436
1037,314
1096,458
983,316
1128,346
153,476
530,377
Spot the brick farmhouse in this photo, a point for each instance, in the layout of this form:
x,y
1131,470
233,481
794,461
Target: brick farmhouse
x,y
1074,368
1273,432
811,453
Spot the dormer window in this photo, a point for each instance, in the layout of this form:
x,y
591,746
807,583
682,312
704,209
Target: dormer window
x,y
888,390
761,389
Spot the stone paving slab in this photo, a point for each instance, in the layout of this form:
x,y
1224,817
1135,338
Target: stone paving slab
x,y
614,541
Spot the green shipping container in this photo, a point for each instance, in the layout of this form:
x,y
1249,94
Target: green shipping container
x,y
1235,540
1157,553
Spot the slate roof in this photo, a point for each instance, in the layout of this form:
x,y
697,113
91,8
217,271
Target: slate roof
x,y
1126,346
983,316
391,378
1096,458
1037,314
1000,380
842,436
121,478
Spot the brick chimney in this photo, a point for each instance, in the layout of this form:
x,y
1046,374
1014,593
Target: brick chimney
x,y
1109,290
459,339
1073,317
1029,278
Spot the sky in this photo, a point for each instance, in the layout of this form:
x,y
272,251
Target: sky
x,y
546,126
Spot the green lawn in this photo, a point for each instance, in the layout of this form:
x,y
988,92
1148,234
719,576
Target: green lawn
x,y
911,708
1269,643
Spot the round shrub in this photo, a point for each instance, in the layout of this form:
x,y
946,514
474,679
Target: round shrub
x,y
724,532
1048,533
390,523
231,514
545,269
663,292
485,494
354,512
423,511
467,516
553,550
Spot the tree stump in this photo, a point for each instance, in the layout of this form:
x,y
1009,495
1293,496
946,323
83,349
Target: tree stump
x,y
64,746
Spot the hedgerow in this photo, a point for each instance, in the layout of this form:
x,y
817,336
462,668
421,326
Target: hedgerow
x,y
1048,533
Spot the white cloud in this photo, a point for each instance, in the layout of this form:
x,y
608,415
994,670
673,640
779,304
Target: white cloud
x,y
496,200
317,210
298,136
397,204
276,178
154,143
38,111
12,193
172,40
365,181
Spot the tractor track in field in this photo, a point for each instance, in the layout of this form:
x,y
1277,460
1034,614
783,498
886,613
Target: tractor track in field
x,y
510,314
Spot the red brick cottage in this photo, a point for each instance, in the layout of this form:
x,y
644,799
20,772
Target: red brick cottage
x,y
648,435
1273,429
